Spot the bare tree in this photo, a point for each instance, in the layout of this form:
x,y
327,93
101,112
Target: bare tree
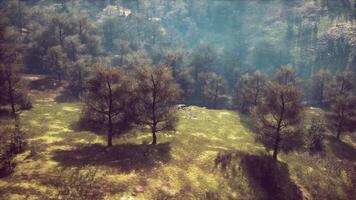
x,y
158,94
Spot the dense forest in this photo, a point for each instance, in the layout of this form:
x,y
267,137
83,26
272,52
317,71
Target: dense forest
x,y
180,99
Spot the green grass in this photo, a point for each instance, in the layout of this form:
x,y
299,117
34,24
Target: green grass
x,y
181,165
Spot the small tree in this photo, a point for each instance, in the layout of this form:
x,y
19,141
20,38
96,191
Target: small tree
x,y
279,115
158,94
342,115
249,90
56,62
110,99
320,83
13,86
214,87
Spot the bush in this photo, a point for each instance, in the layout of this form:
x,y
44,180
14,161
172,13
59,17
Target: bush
x,y
11,143
315,136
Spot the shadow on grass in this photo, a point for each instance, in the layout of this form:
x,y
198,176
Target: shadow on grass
x,y
126,157
266,177
247,121
341,149
13,189
4,113
47,83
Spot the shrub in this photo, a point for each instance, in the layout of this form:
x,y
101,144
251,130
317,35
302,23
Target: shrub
x,y
315,135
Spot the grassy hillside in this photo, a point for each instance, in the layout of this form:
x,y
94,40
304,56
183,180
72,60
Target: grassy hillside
x,y
181,166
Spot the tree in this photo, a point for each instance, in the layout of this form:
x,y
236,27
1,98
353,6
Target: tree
x,y
320,84
214,87
174,59
286,75
72,47
57,62
110,99
79,72
279,115
12,87
342,115
59,25
158,94
186,81
203,59
249,90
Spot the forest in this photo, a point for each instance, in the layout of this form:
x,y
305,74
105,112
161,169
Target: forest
x,y
178,99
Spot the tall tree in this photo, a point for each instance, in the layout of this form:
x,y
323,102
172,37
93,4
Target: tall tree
x,y
320,83
158,93
214,87
57,62
203,59
279,115
12,87
110,99
249,90
342,115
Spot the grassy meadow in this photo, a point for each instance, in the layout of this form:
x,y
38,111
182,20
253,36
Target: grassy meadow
x,y
181,166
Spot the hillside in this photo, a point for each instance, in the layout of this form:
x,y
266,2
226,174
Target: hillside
x,y
182,166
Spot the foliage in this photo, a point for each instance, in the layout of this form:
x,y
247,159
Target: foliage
x,y
278,117
157,93
342,114
249,90
214,89
110,100
315,135
12,142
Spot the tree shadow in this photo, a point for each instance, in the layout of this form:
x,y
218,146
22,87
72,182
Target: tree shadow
x,y
4,113
268,178
126,157
246,120
46,83
341,149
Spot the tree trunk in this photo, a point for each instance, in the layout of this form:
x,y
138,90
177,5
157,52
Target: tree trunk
x,y
110,112
59,77
11,96
154,120
321,97
110,133
154,137
340,125
338,134
276,145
